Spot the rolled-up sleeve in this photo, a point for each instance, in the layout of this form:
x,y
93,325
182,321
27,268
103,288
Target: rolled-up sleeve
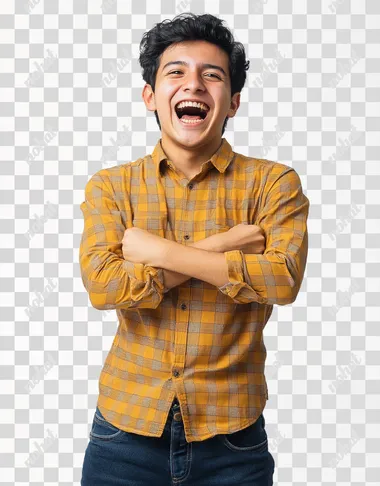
x,y
110,280
275,276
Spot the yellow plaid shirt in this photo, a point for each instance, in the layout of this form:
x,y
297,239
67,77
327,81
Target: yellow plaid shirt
x,y
200,343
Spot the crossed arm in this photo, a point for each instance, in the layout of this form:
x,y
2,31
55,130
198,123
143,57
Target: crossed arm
x,y
273,277
172,278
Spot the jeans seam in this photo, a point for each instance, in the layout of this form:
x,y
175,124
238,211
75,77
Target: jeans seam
x,y
247,448
188,459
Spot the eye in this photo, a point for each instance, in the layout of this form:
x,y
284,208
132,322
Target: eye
x,y
211,74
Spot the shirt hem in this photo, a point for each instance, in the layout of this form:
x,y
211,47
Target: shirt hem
x,y
190,439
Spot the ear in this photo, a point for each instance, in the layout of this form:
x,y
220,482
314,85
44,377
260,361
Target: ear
x,y
148,97
235,103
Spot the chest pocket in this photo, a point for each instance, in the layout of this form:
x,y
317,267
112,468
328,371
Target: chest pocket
x,y
157,224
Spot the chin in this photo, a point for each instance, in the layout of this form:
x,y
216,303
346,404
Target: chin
x,y
191,139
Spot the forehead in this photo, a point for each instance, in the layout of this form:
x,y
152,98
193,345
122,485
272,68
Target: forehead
x,y
195,52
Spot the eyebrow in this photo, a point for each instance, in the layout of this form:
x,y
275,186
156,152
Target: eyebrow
x,y
204,65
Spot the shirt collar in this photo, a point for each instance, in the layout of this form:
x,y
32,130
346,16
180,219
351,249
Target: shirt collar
x,y
221,158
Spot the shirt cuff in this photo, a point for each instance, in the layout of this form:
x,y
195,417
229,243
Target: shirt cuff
x,y
143,278
238,276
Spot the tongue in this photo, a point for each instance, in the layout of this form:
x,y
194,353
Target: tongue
x,y
191,117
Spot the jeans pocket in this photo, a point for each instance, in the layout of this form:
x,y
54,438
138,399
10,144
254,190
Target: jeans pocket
x,y
252,438
102,429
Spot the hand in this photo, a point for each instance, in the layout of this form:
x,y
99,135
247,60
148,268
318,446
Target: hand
x,y
249,238
140,246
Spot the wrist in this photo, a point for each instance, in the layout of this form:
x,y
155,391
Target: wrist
x,y
161,256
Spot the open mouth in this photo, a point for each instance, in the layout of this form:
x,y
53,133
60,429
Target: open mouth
x,y
191,113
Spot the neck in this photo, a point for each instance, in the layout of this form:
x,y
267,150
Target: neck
x,y
189,158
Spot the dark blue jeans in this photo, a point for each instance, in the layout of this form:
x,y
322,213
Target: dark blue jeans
x,y
117,458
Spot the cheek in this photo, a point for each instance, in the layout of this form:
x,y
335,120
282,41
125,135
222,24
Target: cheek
x,y
222,99
226,101
166,91
164,97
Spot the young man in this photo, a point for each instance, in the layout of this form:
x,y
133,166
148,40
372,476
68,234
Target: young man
x,y
192,245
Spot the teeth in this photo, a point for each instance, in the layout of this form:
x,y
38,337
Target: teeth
x,y
202,106
190,121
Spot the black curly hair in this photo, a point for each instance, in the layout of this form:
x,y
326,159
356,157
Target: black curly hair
x,y
189,26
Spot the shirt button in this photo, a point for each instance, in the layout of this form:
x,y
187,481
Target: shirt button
x,y
190,185
177,417
176,373
186,237
183,306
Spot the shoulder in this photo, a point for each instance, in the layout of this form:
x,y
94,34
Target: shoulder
x,y
266,167
115,177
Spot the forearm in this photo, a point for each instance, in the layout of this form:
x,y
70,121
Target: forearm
x,y
172,278
208,266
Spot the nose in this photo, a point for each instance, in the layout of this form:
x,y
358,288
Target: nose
x,y
193,81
